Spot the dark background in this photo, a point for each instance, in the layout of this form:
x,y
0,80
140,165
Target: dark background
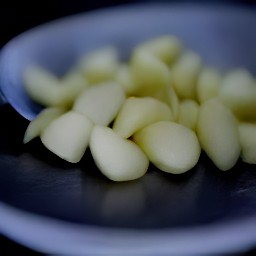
x,y
18,16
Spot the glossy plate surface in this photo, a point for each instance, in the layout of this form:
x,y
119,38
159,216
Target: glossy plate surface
x,y
77,209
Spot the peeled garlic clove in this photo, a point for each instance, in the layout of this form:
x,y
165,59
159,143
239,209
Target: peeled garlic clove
x,y
169,96
148,73
42,86
136,113
124,79
171,147
100,103
68,136
188,112
238,92
117,158
173,101
72,85
42,120
185,73
208,85
100,65
247,135
218,134
166,48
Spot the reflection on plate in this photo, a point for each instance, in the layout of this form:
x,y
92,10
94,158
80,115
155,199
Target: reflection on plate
x,y
77,209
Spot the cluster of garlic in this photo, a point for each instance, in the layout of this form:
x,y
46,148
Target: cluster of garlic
x,y
161,106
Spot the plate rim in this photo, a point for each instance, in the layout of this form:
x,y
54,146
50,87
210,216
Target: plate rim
x,y
58,236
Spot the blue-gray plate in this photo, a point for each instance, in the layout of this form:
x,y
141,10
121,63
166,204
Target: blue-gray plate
x,y
56,207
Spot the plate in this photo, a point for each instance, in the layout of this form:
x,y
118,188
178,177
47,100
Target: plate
x,y
56,207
